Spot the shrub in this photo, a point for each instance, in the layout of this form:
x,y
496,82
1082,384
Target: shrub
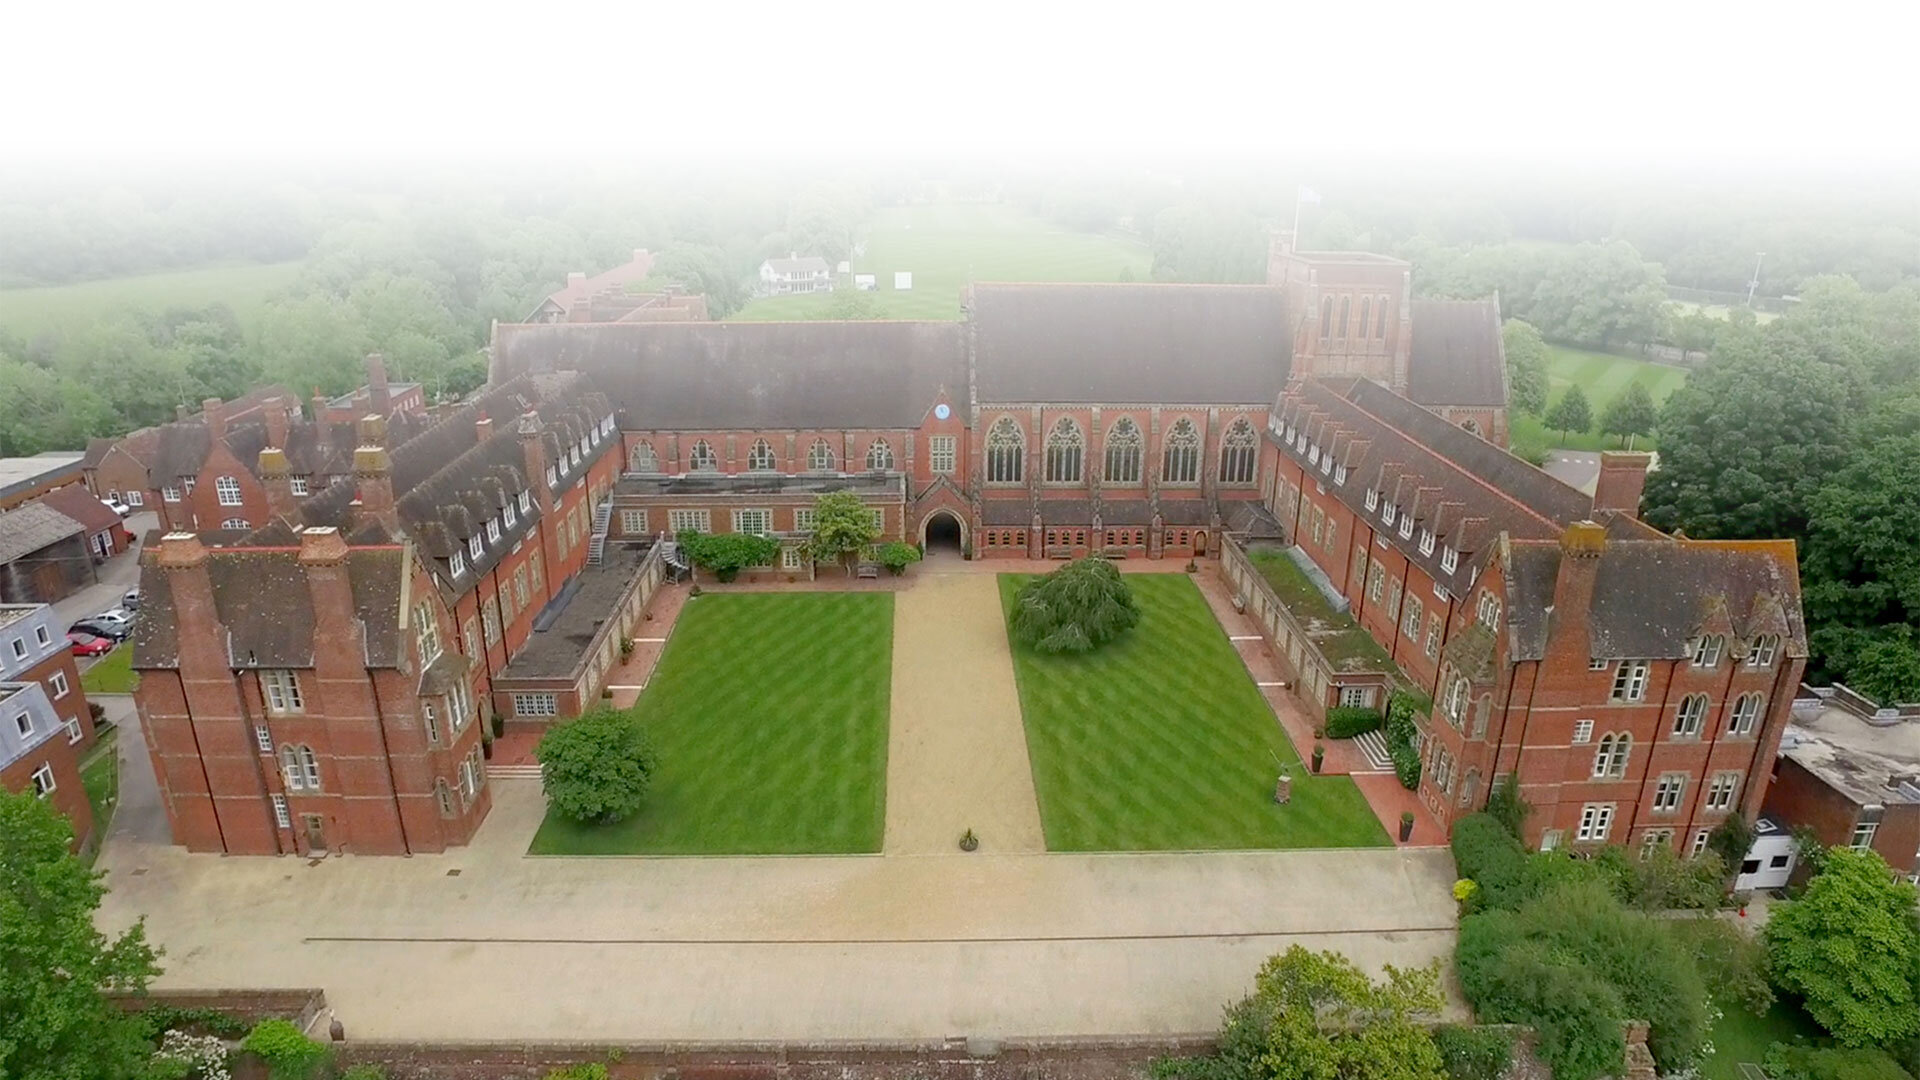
x,y
1831,1063
591,1070
1849,948
286,1051
160,1019
181,1055
1346,721
1406,764
364,1072
1574,1013
1473,1053
1731,961
1485,853
596,767
726,554
1075,609
1507,807
1402,707
896,556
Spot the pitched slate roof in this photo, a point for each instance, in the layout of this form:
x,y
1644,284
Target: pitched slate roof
x,y
261,597
1652,597
706,376
27,528
1457,356
1165,344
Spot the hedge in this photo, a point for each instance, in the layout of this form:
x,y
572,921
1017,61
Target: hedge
x,y
1346,721
1485,852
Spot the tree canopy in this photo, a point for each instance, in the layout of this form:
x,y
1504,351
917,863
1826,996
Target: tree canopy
x,y
726,554
1526,366
1850,948
55,966
597,767
1570,413
1631,413
843,527
1075,609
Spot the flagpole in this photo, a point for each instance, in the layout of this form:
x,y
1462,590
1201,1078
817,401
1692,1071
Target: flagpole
x,y
1296,217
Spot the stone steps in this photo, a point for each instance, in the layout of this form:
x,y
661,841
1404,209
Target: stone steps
x,y
1373,744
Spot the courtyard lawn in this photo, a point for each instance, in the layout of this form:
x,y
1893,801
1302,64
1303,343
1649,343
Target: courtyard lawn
x,y
1603,377
1160,741
946,245
1740,1036
112,673
64,309
769,715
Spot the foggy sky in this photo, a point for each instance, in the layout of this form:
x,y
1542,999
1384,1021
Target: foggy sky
x,y
1714,83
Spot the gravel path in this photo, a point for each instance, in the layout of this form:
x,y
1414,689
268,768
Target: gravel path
x,y
957,753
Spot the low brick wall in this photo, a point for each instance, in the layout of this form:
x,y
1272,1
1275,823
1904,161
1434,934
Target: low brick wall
x,y
954,1059
300,1005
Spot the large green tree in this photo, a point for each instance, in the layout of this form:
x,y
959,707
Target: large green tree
x,y
1075,609
1629,414
55,966
596,767
1570,413
1850,948
843,527
1526,365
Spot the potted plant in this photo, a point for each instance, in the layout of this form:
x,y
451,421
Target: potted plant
x,y
626,647
968,841
1406,826
486,745
499,725
1319,755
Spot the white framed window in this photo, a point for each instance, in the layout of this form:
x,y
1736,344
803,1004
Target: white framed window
x,y
236,523
507,516
1426,541
299,768
40,635
1550,839
1668,791
1488,609
283,691
702,458
820,457
490,623
1582,732
460,706
1456,703
1706,650
790,557
633,522
427,630
263,738
1340,475
526,502
1863,834
1449,559
476,546
1653,840
493,530
23,723
760,457
1373,499
1746,714
1689,716
1699,844
943,452
1410,617
1610,760
1406,526
189,482
535,704
803,519
430,720
1764,648
58,680
281,816
1596,821
227,490
43,784
457,563
757,521
19,646
74,731
170,493
136,498
643,459
298,485
879,456
1598,663
879,518
679,521
1630,682
553,476
1721,790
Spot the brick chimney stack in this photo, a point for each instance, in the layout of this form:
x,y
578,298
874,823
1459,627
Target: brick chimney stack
x,y
276,476
533,454
1623,476
319,404
373,474
180,412
483,428
214,411
1581,546
277,423
379,398
576,279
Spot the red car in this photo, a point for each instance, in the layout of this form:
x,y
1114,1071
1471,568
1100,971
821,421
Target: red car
x,y
84,644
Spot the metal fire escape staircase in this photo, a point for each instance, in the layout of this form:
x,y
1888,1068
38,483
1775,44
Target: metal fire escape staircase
x,y
597,543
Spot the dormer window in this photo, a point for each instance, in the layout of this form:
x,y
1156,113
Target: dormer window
x,y
1449,560
474,545
493,530
526,502
1373,499
553,476
1764,647
1326,464
1426,541
458,563
1339,475
297,485
1387,513
574,459
1300,442
1313,454
1406,526
507,515
1706,650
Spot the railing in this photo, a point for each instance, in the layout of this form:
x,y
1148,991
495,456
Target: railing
x,y
597,542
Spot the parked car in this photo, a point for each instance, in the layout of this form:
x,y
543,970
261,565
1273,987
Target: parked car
x,y
118,507
131,599
85,644
98,627
117,614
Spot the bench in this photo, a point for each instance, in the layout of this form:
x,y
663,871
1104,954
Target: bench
x,y
867,570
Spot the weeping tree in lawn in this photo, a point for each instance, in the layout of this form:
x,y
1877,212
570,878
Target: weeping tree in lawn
x,y
1076,609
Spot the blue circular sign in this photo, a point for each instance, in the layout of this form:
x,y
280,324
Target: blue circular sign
x,y
941,412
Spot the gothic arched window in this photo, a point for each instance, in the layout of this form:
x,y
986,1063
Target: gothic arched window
x,y
643,459
702,458
1123,452
760,458
1180,464
1238,453
1066,450
879,455
820,456
1006,452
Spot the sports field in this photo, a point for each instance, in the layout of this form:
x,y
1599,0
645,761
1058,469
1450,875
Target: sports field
x,y
63,309
947,245
1603,377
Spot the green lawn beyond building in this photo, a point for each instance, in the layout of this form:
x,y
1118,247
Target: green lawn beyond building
x,y
1161,742
1602,377
769,713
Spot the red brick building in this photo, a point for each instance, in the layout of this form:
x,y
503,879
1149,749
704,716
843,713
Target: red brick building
x,y
321,683
1636,683
45,725
1849,770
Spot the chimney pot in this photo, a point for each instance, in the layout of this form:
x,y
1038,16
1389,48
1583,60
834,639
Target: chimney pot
x,y
322,546
1584,539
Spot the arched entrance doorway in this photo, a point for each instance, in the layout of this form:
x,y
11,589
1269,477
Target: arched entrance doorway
x,y
943,534
1200,542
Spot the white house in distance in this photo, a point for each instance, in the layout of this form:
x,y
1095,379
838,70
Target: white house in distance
x,y
794,274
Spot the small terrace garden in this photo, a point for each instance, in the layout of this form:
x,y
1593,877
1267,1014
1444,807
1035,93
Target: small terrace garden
x,y
1345,644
